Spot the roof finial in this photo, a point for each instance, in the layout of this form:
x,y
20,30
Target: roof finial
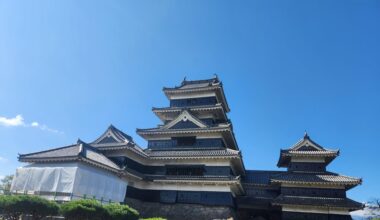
x,y
184,80
306,136
79,141
216,77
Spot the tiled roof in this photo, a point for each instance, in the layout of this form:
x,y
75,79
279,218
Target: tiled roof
x,y
193,84
113,135
67,151
192,153
199,86
218,128
324,178
115,139
74,152
210,178
98,157
132,147
217,109
327,153
317,201
259,177
307,144
306,148
192,108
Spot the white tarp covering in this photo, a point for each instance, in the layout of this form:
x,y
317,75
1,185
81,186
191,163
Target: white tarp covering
x,y
68,181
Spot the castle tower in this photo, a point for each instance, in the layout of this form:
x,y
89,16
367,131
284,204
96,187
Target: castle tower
x,y
308,190
195,148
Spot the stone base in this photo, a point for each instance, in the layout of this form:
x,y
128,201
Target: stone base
x,y
181,211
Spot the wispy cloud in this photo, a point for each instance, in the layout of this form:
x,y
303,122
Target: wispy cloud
x,y
18,121
44,127
3,160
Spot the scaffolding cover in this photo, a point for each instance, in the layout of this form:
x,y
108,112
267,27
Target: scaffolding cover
x,y
68,181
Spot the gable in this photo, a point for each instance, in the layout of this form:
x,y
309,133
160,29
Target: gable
x,y
185,120
184,124
112,136
107,140
307,145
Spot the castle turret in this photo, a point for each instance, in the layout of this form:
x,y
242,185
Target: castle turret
x,y
308,190
195,146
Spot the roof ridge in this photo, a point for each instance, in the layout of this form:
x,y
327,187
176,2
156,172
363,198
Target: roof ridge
x,y
224,125
188,107
215,79
306,137
315,197
53,149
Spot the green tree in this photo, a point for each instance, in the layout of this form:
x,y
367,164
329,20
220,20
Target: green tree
x,y
117,211
37,207
9,207
13,206
6,183
84,210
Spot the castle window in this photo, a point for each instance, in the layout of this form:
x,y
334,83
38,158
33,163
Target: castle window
x,y
185,141
185,170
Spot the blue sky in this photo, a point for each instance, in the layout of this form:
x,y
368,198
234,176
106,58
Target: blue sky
x,y
70,68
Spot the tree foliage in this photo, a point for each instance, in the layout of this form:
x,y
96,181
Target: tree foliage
x,y
121,212
5,185
9,207
374,208
154,218
13,206
84,210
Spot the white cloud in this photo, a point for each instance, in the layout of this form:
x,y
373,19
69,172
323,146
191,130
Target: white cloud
x,y
19,121
34,124
3,160
16,121
46,128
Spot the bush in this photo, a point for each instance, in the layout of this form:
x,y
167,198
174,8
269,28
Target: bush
x,y
9,208
121,212
84,210
14,206
154,218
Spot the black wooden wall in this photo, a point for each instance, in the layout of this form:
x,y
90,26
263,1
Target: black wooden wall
x,y
172,196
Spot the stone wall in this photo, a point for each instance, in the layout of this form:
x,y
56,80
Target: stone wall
x,y
181,211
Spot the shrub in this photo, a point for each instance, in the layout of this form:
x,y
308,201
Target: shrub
x,y
84,210
16,205
121,212
37,207
154,218
9,208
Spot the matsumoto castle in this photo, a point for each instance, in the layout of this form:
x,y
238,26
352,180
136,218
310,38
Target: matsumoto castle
x,y
192,168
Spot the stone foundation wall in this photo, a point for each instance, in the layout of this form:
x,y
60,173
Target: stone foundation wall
x,y
181,211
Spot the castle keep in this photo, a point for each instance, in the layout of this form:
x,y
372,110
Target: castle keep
x,y
192,168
